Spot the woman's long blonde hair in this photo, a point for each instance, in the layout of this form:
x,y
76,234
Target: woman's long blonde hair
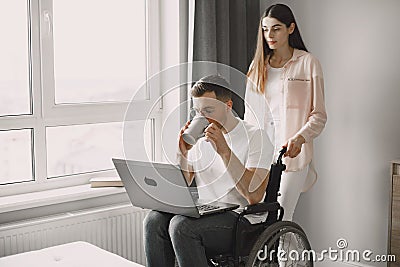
x,y
258,69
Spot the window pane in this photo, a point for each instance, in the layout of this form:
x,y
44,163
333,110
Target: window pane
x,y
14,63
85,148
99,48
15,156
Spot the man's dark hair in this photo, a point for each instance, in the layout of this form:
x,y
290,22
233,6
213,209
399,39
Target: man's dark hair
x,y
212,83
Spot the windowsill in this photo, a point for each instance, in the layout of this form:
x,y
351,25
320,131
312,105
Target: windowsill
x,y
55,196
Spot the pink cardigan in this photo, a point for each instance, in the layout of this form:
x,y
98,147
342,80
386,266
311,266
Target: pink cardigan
x,y
303,108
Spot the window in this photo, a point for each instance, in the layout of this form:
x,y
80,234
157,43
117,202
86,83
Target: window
x,y
70,70
76,149
16,156
103,58
14,63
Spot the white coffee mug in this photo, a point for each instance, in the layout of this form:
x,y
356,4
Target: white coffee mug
x,y
195,130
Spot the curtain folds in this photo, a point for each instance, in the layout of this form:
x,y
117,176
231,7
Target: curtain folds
x,y
225,32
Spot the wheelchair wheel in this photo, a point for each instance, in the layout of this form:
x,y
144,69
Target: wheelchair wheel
x,y
283,243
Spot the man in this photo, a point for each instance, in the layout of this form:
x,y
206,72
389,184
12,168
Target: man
x,y
230,164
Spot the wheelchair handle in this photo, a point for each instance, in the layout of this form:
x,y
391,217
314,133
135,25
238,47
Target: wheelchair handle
x,y
281,153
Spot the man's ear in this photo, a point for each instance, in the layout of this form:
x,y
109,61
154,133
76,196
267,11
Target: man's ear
x,y
229,103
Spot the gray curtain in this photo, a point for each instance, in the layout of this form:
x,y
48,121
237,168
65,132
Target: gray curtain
x,y
225,32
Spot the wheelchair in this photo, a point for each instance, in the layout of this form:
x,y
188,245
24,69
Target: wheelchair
x,y
272,242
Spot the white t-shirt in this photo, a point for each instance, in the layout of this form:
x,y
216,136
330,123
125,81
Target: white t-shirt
x,y
250,145
274,91
274,96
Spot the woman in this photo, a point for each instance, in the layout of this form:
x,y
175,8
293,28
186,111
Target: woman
x,y
285,96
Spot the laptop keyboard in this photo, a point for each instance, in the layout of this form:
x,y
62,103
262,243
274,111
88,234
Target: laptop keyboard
x,y
207,207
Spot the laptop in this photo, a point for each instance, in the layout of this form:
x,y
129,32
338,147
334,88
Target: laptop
x,y
163,187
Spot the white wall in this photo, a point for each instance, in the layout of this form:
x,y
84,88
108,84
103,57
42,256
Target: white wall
x,y
357,42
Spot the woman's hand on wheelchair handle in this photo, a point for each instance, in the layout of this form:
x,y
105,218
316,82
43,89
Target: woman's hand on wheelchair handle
x,y
294,146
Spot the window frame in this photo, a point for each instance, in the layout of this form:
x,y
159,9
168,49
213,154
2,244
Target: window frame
x,y
47,114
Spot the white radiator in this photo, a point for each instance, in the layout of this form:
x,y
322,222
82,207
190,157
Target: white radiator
x,y
118,229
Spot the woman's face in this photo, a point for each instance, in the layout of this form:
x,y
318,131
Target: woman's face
x,y
276,34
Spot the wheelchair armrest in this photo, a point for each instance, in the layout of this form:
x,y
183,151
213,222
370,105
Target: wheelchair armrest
x,y
260,207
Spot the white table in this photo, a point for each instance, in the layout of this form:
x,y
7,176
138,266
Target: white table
x,y
75,254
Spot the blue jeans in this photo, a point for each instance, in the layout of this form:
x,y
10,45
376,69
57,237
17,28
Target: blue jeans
x,y
190,240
